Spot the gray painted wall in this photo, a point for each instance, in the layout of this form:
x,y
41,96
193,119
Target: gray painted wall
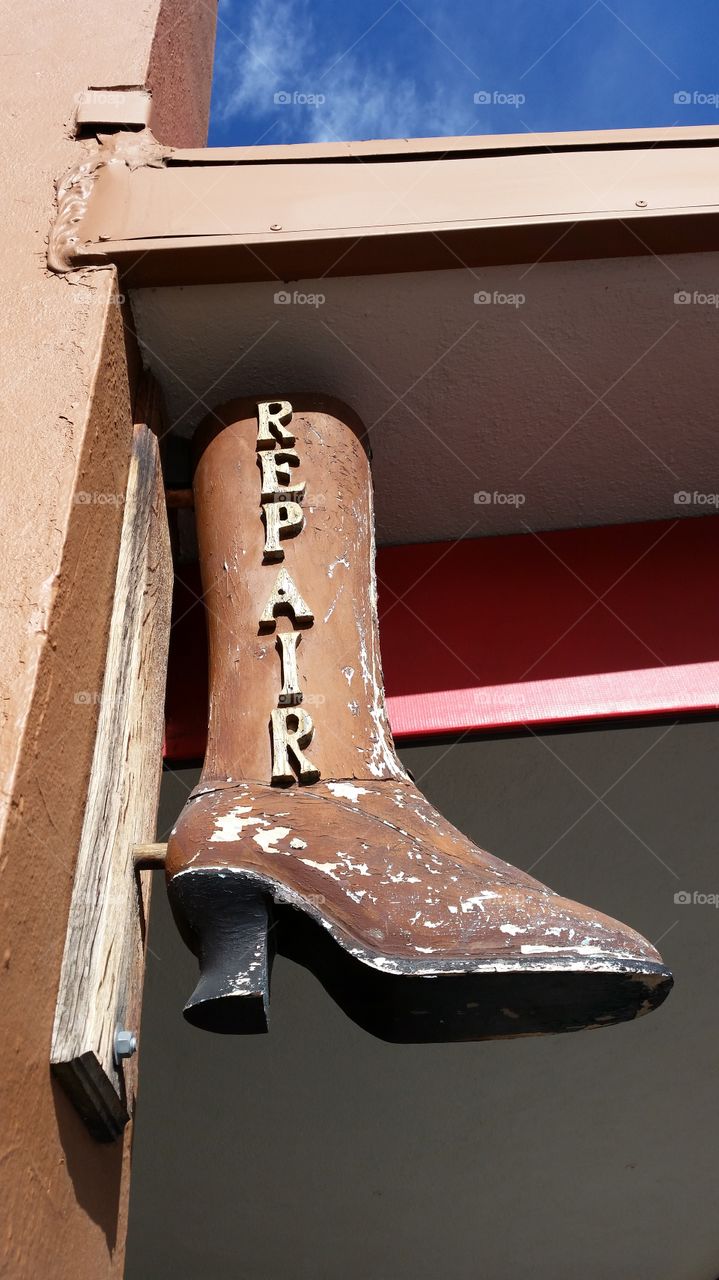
x,y
317,1153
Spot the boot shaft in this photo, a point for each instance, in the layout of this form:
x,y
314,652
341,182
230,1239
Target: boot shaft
x,y
283,502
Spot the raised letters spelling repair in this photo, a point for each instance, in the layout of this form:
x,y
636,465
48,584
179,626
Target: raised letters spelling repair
x,y
291,726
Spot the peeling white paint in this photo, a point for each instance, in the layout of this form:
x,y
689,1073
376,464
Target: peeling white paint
x,y
383,962
583,950
327,868
347,791
229,826
382,760
360,867
268,839
468,904
333,606
424,817
340,560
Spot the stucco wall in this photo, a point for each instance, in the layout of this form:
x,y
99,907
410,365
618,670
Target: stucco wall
x,y
66,414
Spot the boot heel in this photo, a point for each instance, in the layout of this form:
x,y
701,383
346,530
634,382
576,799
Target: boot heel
x,y
227,922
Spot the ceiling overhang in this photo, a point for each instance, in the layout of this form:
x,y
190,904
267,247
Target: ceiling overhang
x,y
583,395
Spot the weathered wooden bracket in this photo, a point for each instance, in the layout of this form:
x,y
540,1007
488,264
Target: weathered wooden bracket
x,y
100,982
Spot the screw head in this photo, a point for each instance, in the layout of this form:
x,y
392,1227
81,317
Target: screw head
x,y
641,204
275,226
125,1043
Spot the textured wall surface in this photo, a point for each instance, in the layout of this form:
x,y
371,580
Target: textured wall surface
x,y
66,432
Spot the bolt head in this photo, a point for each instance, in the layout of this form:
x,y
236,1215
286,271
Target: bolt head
x,y
125,1043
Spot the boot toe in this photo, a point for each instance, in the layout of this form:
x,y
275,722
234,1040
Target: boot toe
x,y
541,928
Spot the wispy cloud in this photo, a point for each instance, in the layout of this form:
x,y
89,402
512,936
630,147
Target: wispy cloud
x,y
322,69
368,102
263,58
271,67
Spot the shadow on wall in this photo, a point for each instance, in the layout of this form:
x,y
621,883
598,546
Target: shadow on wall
x,y
95,1168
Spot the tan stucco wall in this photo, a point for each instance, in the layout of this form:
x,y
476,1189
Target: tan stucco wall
x,y
66,425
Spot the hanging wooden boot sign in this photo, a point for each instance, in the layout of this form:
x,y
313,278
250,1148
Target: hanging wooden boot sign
x,y
305,832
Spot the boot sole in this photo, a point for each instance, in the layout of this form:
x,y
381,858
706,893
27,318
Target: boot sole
x,y
234,922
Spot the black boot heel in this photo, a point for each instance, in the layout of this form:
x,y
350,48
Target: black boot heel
x,y
226,921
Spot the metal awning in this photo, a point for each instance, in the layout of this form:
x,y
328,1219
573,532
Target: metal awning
x,y
169,216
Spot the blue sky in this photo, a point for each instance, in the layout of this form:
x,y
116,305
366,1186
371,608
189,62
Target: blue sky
x,y
322,70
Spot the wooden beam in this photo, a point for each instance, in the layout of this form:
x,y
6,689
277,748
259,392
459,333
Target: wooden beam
x,y
149,857
103,960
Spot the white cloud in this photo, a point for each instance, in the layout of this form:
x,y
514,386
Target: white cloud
x,y
374,102
364,95
271,55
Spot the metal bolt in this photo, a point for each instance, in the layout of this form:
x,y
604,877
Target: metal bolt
x,y
124,1044
275,226
641,204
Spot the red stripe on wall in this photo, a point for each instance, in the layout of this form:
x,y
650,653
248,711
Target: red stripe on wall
x,y
494,633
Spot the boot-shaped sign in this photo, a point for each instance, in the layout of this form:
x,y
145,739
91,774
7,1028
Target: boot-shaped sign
x,y
305,832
